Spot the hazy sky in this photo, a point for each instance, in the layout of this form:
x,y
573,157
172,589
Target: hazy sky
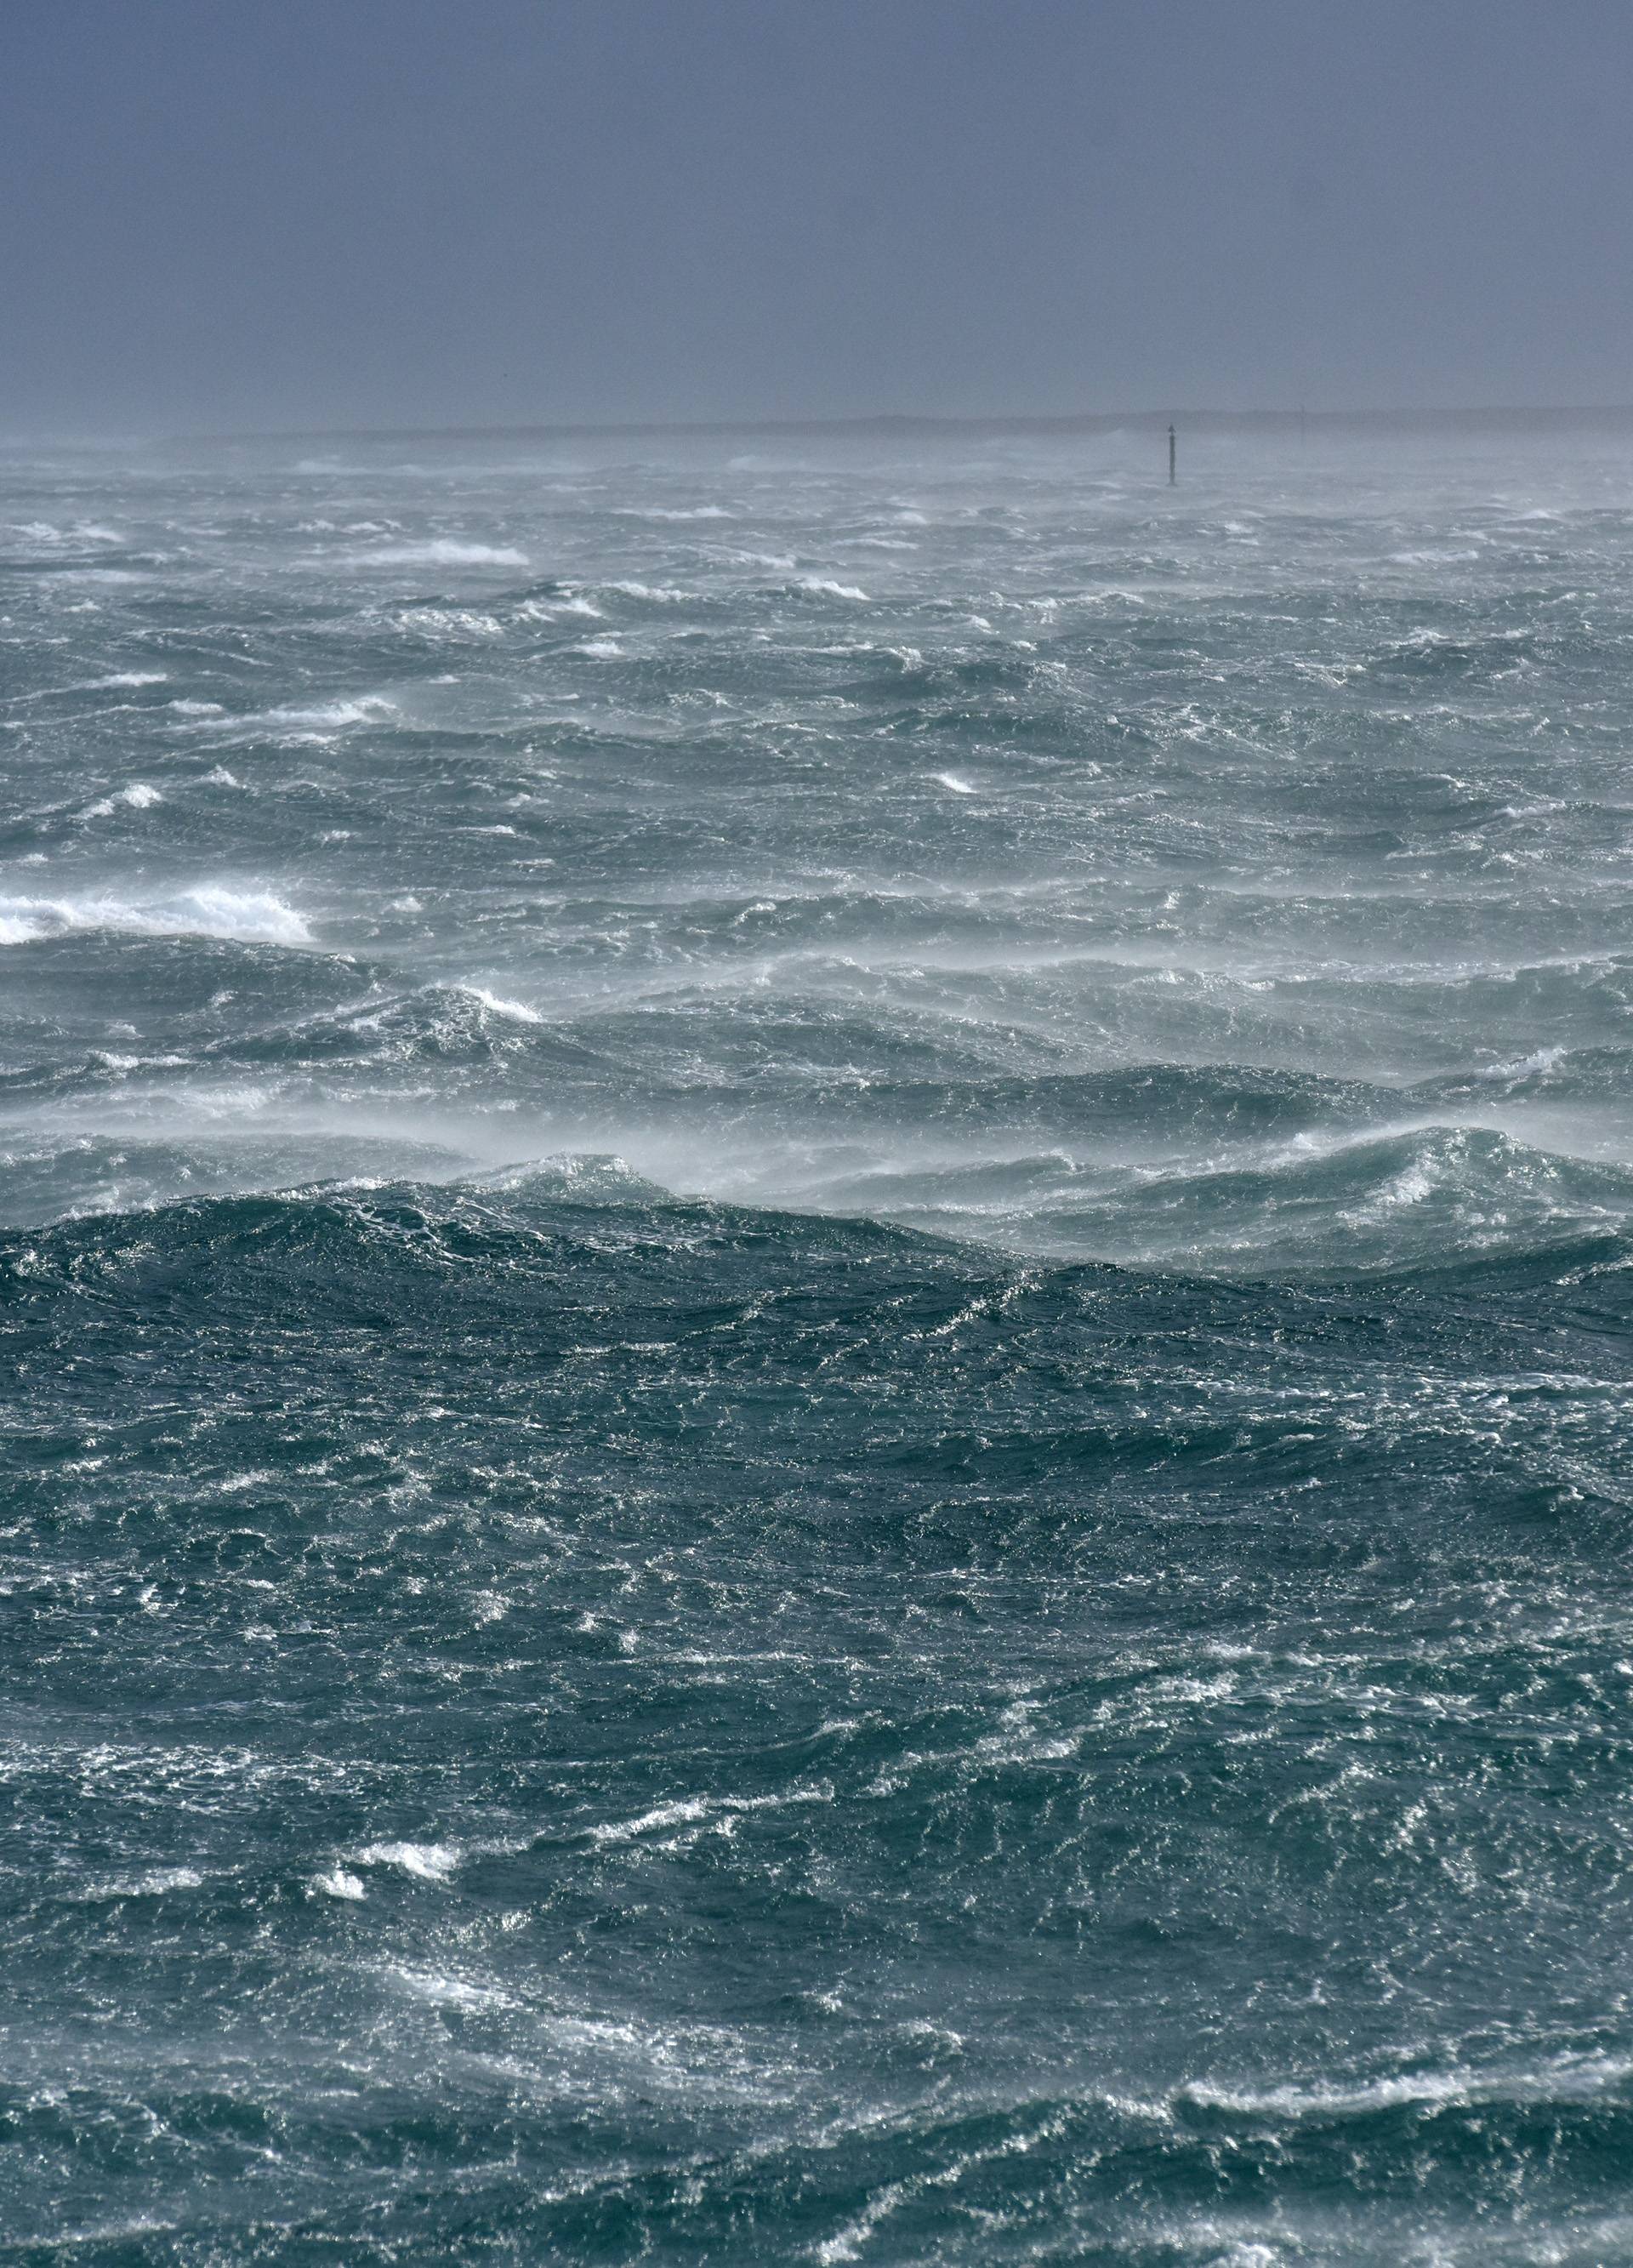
x,y
226,214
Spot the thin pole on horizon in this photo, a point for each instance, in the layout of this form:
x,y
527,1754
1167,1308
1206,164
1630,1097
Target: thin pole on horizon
x,y
1172,447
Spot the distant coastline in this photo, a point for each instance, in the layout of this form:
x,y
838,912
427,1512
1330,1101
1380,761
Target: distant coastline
x,y
1609,420
1357,421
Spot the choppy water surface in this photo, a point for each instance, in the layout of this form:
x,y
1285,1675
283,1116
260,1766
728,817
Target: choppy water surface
x,y
815,1292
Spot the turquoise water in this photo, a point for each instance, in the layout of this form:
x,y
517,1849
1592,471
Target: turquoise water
x,y
815,1270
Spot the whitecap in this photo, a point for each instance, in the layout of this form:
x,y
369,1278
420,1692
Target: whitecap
x,y
439,551
824,586
84,530
1524,1066
686,1811
367,709
452,622
518,1011
546,610
211,909
427,1862
337,1883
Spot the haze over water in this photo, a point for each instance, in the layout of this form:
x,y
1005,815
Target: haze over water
x,y
816,1284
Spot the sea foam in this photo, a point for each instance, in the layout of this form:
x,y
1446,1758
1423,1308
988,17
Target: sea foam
x,y
207,910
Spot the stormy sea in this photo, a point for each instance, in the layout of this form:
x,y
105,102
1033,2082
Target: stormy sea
x,y
816,1265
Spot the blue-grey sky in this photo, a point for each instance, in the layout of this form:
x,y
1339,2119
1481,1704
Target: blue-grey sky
x,y
230,214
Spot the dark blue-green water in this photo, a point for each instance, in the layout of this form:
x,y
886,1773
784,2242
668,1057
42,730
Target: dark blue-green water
x,y
815,1279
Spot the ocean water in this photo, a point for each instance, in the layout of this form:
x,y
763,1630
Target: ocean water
x,y
815,1275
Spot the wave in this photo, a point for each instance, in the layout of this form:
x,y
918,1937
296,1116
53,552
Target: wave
x,y
664,594
316,717
218,909
121,681
841,1108
54,536
515,1012
823,587
1574,2078
54,1173
137,797
1362,1201
508,1202
438,551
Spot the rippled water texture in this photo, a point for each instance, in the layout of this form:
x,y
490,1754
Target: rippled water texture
x,y
814,1270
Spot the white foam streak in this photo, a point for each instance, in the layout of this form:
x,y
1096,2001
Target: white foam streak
x,y
1565,2079
47,533
324,716
688,1811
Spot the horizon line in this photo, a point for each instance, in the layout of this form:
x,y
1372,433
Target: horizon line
x,y
1488,416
